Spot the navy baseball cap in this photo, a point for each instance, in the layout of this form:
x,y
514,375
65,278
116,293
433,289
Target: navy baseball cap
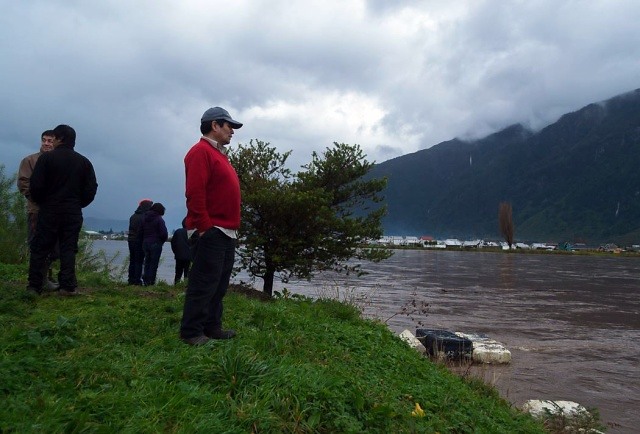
x,y
218,113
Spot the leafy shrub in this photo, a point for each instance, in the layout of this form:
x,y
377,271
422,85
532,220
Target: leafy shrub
x,y
13,221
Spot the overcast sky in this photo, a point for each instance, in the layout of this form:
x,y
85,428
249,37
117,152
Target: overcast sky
x,y
134,77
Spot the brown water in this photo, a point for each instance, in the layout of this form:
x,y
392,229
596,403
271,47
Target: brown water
x,y
572,323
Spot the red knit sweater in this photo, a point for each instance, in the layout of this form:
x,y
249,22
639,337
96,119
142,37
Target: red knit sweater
x,y
212,189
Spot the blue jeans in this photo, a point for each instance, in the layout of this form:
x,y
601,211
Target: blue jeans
x,y
213,259
152,253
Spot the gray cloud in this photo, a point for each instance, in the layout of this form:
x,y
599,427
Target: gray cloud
x,y
133,78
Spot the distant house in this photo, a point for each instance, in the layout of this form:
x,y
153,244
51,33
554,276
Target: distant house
x,y
542,246
434,245
411,241
472,244
94,235
490,244
452,242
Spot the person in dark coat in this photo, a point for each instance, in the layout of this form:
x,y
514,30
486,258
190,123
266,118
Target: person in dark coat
x,y
62,183
154,235
182,252
134,239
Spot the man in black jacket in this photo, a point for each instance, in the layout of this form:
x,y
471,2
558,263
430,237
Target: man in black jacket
x,y
182,252
134,239
63,182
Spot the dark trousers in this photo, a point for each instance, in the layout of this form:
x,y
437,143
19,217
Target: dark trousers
x,y
182,269
152,253
136,259
32,223
211,270
55,228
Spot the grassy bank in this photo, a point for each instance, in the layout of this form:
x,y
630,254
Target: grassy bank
x,y
111,361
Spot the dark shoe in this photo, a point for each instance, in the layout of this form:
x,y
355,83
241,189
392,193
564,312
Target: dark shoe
x,y
68,292
33,291
196,341
221,334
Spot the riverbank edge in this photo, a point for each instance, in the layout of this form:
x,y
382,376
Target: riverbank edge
x,y
111,359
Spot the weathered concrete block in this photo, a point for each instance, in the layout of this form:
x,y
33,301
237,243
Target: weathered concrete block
x,y
486,350
445,344
413,342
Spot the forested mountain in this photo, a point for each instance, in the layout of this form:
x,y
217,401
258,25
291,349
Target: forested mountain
x,y
576,180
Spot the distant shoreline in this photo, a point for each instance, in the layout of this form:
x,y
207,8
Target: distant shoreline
x,y
579,252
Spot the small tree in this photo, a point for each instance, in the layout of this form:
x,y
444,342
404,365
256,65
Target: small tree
x,y
505,219
13,221
296,225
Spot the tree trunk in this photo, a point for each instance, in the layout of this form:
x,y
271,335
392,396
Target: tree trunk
x,y
505,220
267,288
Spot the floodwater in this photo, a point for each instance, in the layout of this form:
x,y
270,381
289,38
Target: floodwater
x,y
572,323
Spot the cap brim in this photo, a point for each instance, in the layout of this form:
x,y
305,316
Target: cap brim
x,y
234,124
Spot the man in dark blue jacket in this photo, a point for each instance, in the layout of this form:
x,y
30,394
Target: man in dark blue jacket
x,y
63,182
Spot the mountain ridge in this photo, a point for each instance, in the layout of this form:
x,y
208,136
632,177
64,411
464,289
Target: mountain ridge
x,y
574,180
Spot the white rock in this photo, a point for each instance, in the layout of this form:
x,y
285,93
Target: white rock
x,y
567,409
486,350
539,408
413,341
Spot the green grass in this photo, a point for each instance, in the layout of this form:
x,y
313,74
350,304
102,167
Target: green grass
x,y
111,361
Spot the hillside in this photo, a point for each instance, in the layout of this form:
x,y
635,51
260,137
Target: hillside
x,y
575,180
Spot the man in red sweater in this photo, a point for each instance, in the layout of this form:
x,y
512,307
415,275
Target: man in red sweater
x,y
213,210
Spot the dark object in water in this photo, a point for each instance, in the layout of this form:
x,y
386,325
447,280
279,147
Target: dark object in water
x,y
445,343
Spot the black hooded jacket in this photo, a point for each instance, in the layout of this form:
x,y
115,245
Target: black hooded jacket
x,y
135,221
63,181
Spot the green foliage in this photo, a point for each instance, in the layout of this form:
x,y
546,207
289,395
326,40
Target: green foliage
x,y
298,224
13,221
110,361
587,421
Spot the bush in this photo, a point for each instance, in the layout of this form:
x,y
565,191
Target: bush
x,y
13,221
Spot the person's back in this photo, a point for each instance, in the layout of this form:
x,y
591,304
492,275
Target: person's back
x,y
154,229
180,245
134,240
154,235
181,249
63,181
